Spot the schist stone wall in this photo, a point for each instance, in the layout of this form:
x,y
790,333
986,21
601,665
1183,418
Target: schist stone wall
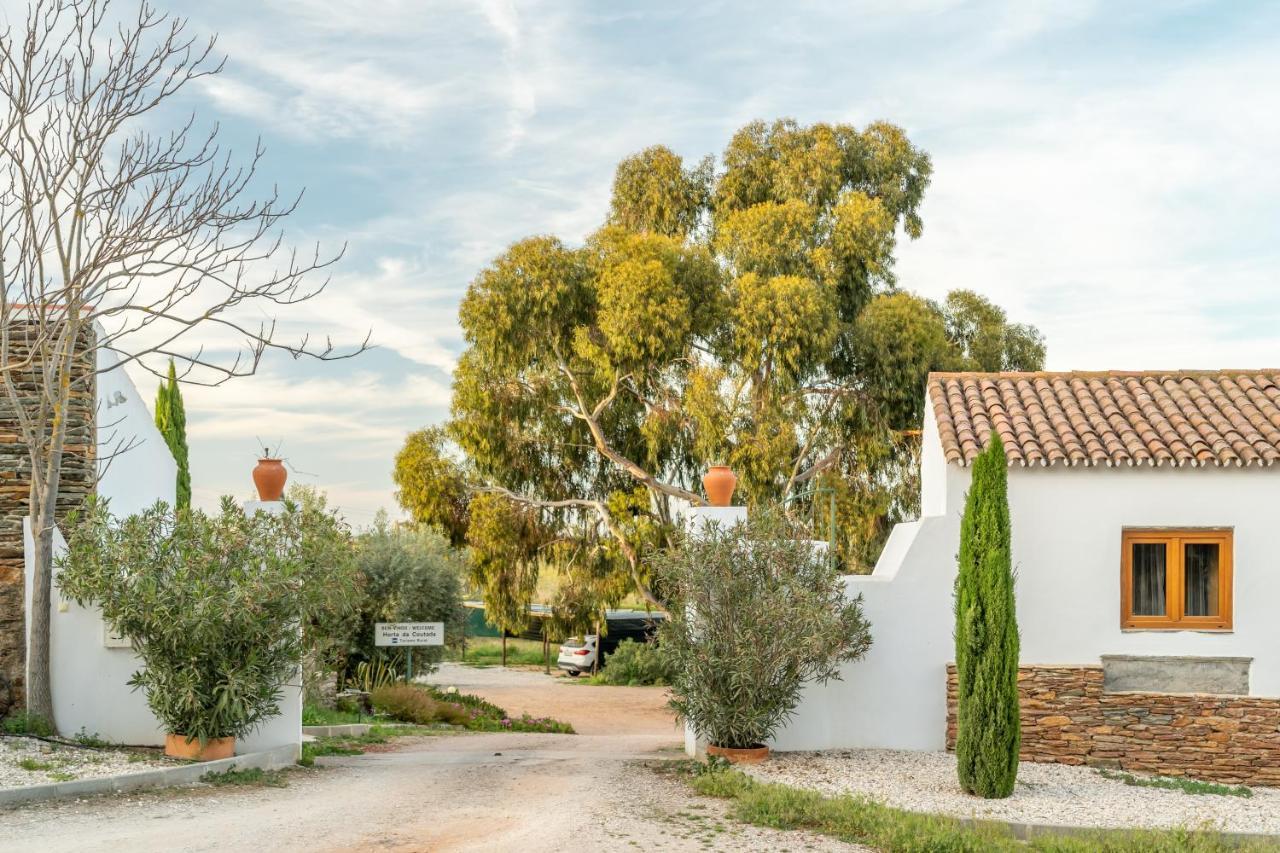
x,y
78,474
1068,717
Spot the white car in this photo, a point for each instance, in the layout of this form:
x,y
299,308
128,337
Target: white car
x,y
578,654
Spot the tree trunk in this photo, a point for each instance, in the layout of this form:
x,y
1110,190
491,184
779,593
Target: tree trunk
x,y
39,687
546,649
595,665
504,648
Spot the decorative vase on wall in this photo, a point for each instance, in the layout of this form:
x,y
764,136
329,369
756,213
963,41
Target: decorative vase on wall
x,y
269,476
719,483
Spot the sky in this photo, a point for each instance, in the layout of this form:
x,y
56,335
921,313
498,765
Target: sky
x,y
1105,171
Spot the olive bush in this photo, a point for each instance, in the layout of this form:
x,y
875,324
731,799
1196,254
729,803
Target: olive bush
x,y
757,612
214,604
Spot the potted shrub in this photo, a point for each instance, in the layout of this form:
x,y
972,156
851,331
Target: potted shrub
x,y
214,606
756,612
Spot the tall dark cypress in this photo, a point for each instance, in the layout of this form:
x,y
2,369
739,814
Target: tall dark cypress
x,y
989,731
171,420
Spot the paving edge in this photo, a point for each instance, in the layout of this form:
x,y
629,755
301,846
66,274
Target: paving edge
x,y
187,774
346,729
1027,831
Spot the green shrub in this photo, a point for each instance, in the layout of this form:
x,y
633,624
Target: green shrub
x,y
636,664
484,716
212,603
409,575
989,730
410,704
755,614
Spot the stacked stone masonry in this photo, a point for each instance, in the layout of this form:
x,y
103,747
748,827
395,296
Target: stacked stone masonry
x,y
1068,718
78,474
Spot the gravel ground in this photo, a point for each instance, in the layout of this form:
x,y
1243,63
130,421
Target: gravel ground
x,y
48,762
1046,793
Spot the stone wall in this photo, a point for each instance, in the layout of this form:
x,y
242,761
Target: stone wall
x,y
78,473
1068,718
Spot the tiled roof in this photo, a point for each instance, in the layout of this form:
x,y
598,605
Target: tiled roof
x,y
1115,418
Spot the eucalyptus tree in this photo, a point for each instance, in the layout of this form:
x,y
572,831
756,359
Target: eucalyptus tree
x,y
746,315
122,244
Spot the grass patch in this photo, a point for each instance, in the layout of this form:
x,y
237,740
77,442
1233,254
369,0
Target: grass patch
x,y
255,776
62,776
22,723
863,821
1186,786
35,765
487,651
318,715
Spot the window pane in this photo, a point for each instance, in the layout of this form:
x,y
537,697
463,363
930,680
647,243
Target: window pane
x,y
1201,562
1148,579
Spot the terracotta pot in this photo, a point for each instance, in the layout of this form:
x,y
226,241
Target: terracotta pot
x,y
177,746
753,755
269,477
719,483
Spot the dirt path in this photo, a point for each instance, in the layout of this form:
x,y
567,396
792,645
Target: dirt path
x,y
517,792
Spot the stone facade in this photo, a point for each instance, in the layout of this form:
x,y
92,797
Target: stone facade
x,y
78,475
1068,718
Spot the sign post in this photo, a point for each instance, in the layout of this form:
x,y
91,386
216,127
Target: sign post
x,y
408,634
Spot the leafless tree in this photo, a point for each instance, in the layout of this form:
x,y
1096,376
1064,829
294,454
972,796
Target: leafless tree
x,y
122,246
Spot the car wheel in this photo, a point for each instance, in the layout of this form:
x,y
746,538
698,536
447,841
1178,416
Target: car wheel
x,y
573,673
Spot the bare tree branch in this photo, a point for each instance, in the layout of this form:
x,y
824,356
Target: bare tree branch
x,y
121,242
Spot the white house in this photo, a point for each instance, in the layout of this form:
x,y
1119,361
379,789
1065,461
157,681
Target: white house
x,y
1146,543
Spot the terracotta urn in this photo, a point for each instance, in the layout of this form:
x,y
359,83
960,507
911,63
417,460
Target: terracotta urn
x,y
719,483
269,477
752,755
177,746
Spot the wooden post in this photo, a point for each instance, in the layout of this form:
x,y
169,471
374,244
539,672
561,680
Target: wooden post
x,y
504,647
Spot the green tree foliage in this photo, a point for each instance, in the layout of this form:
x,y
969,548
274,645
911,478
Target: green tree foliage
x,y
505,537
747,315
756,614
408,575
171,420
989,730
431,484
212,603
986,340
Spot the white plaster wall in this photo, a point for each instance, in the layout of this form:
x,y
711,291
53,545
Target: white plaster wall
x,y
89,680
146,472
1066,548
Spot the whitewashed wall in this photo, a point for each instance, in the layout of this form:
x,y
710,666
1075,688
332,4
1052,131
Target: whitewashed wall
x,y
1067,524
144,474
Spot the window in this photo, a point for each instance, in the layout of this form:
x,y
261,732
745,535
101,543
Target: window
x,y
1176,579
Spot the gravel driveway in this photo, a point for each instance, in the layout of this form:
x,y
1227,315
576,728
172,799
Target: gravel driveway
x,y
499,791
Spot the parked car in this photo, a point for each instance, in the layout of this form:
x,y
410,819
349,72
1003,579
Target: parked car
x,y
578,654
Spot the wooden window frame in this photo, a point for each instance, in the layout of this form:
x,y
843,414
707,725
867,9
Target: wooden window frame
x,y
1174,539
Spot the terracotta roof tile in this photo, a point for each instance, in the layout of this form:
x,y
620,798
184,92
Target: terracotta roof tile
x,y
1220,418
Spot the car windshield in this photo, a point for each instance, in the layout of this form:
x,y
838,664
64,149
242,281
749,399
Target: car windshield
x,y
572,643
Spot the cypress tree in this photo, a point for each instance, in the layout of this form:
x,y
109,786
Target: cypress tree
x,y
989,731
171,420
